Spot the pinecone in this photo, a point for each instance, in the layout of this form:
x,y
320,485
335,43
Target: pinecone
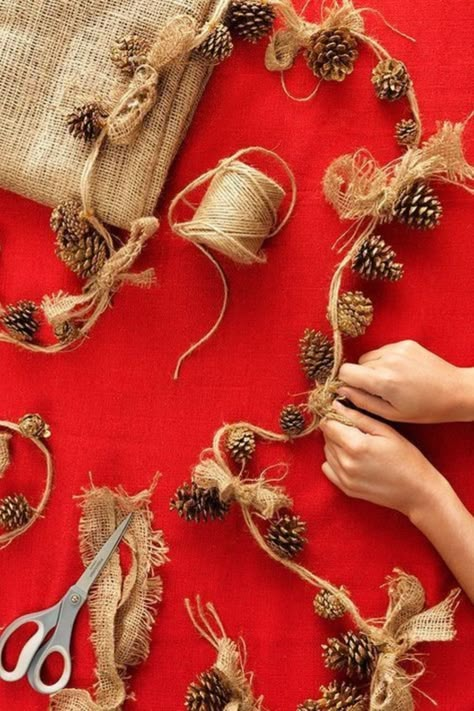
x,y
391,79
15,512
418,206
328,606
353,653
341,696
218,46
67,217
375,260
210,692
20,321
286,534
251,19
193,503
407,132
33,425
308,705
316,355
86,121
84,255
354,313
129,52
240,444
332,53
67,332
292,420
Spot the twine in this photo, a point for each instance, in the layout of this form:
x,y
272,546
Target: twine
x,y
239,211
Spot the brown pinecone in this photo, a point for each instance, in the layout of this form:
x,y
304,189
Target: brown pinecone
x,y
391,79
33,425
308,705
129,52
251,19
292,420
354,313
241,444
316,355
341,696
353,653
67,217
407,132
375,260
193,503
85,255
20,321
328,606
418,206
67,332
15,512
86,122
286,535
218,46
332,53
210,692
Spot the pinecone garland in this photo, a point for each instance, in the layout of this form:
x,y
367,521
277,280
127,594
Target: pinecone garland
x,y
286,535
218,46
20,321
354,313
353,653
418,206
193,503
341,696
15,512
67,218
375,260
328,606
33,425
85,255
332,53
210,692
251,19
241,444
292,420
316,355
129,52
407,132
86,122
391,79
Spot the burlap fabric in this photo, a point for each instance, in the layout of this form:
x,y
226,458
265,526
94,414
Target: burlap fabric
x,y
5,438
56,55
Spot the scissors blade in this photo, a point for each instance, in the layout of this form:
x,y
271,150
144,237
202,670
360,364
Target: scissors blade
x,y
95,568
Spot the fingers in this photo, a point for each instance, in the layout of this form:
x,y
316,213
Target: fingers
x,y
372,403
362,377
340,435
329,472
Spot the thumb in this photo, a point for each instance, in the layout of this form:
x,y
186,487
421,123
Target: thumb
x,y
363,422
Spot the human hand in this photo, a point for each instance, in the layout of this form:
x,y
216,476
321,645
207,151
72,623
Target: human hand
x,y
405,382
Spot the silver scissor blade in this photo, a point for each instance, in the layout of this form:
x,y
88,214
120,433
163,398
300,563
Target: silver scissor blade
x,y
95,568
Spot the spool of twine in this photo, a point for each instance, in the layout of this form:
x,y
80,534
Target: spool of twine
x,y
238,212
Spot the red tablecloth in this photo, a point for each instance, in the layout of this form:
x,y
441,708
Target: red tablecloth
x,y
115,411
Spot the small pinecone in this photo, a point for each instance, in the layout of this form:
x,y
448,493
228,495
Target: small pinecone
x,y
194,503
328,606
353,653
391,79
84,255
354,313
67,218
251,19
292,420
341,696
210,692
406,132
308,705
86,121
129,52
375,260
15,512
316,355
20,321
33,425
418,206
241,444
218,46
286,535
332,53
67,332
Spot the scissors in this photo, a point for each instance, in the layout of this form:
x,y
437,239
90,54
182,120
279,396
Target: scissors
x,y
61,619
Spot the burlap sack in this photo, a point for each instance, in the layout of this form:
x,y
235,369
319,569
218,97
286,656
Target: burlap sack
x,y
55,54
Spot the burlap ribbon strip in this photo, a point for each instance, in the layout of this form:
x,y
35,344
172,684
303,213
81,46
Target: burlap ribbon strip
x,y
5,438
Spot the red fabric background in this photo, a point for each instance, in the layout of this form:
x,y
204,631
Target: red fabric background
x,y
114,409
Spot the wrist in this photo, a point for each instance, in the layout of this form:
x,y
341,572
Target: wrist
x,y
465,395
436,495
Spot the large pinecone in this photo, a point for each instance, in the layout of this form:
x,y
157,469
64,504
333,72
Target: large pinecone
x,y
129,52
292,420
375,260
193,503
251,19
354,313
286,535
341,696
328,606
210,692
316,355
240,444
86,121
353,653
218,46
20,321
15,512
391,79
332,53
85,255
67,217
407,132
418,206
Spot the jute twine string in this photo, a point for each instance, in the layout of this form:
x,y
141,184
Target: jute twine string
x,y
5,438
38,511
238,212
230,660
